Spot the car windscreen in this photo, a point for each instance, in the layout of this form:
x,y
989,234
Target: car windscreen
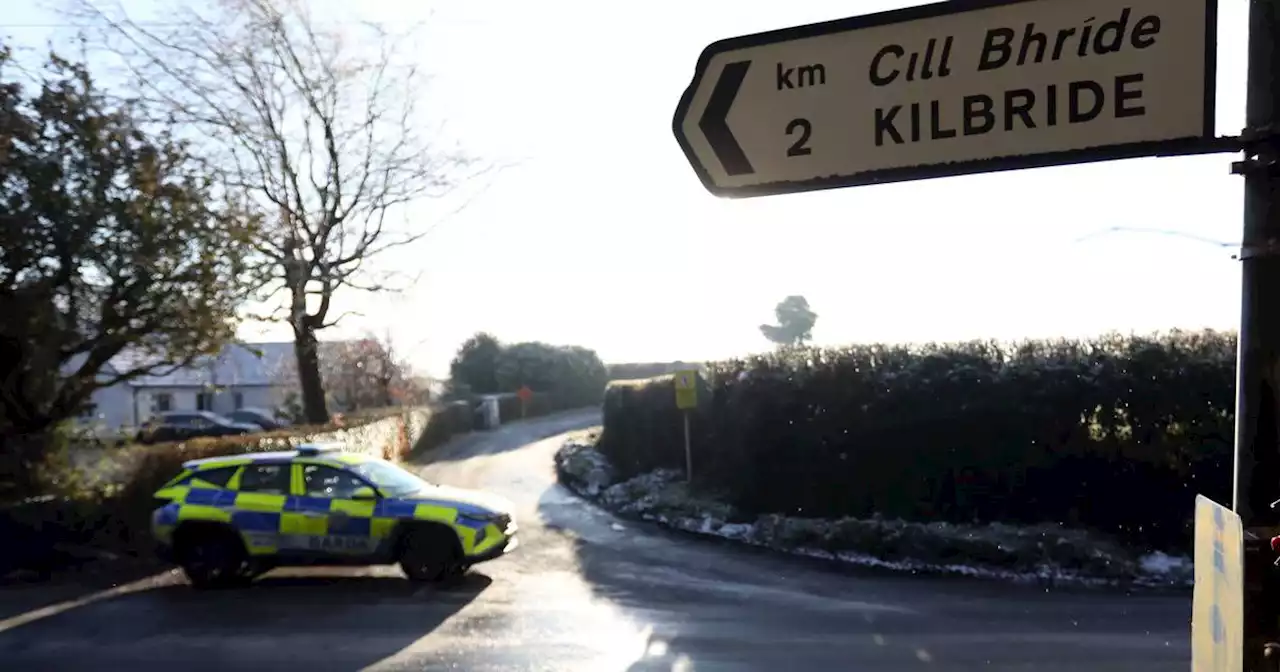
x,y
390,479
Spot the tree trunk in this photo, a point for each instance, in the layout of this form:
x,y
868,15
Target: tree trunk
x,y
306,349
22,455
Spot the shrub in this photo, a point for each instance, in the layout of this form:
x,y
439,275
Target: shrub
x,y
638,370
447,421
541,403
1115,433
574,375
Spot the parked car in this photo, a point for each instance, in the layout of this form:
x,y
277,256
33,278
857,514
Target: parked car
x,y
267,420
182,425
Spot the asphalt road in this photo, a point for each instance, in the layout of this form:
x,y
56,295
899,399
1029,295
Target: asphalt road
x,y
586,591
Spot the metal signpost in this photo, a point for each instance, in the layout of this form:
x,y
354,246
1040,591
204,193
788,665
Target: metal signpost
x,y
1257,440
686,401
524,394
973,86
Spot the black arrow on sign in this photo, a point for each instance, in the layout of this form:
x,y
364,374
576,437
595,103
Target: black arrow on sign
x,y
715,120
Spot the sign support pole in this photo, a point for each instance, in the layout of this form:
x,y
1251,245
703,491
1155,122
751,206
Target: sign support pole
x,y
688,449
1257,440
686,386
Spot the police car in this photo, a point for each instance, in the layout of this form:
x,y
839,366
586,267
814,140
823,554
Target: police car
x,y
225,520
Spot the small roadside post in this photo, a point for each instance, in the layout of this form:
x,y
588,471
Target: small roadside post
x,y
686,401
525,394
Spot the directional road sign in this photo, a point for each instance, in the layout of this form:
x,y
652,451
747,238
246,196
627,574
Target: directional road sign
x,y
950,88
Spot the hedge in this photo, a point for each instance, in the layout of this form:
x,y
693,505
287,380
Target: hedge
x,y
541,403
116,515
1114,433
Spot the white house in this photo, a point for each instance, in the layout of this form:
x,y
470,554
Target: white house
x,y
248,375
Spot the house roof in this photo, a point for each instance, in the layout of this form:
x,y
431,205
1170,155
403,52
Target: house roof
x,y
241,364
248,364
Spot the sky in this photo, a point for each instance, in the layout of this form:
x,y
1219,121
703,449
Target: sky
x,y
596,231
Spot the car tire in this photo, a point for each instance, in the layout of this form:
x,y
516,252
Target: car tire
x,y
213,559
430,554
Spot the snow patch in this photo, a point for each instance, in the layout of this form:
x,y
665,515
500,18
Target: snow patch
x,y
584,467
1029,554
1174,568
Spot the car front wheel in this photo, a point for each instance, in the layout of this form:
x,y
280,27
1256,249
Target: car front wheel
x,y
213,560
431,554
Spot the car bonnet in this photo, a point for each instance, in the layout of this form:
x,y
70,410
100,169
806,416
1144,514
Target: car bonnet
x,y
472,498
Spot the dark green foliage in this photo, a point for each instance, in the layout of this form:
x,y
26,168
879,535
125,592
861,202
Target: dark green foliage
x,y
1114,433
447,421
571,375
539,404
635,370
475,367
795,322
119,255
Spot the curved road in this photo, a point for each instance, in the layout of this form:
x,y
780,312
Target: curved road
x,y
588,592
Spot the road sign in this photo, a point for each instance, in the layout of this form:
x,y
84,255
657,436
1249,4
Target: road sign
x,y
1217,612
951,88
524,393
686,389
687,400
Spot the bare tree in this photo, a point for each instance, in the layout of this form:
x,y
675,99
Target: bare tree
x,y
366,372
319,124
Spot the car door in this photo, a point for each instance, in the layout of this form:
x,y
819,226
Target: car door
x,y
182,426
203,425
262,497
166,428
335,524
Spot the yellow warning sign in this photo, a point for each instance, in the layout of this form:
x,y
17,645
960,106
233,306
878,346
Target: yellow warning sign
x,y
686,389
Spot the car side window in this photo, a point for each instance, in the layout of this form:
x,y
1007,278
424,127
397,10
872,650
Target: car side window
x,y
272,479
189,421
322,481
219,477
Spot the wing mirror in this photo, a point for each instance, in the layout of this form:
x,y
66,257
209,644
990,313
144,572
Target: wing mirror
x,y
365,493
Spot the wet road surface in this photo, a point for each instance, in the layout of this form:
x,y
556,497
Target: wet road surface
x,y
586,591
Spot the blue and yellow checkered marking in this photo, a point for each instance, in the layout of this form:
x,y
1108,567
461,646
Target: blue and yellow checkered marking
x,y
270,523
264,529
256,521
206,497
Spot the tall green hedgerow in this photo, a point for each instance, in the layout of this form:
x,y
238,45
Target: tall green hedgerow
x,y
1116,433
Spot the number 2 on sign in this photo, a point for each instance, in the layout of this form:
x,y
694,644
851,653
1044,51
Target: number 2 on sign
x,y
799,147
